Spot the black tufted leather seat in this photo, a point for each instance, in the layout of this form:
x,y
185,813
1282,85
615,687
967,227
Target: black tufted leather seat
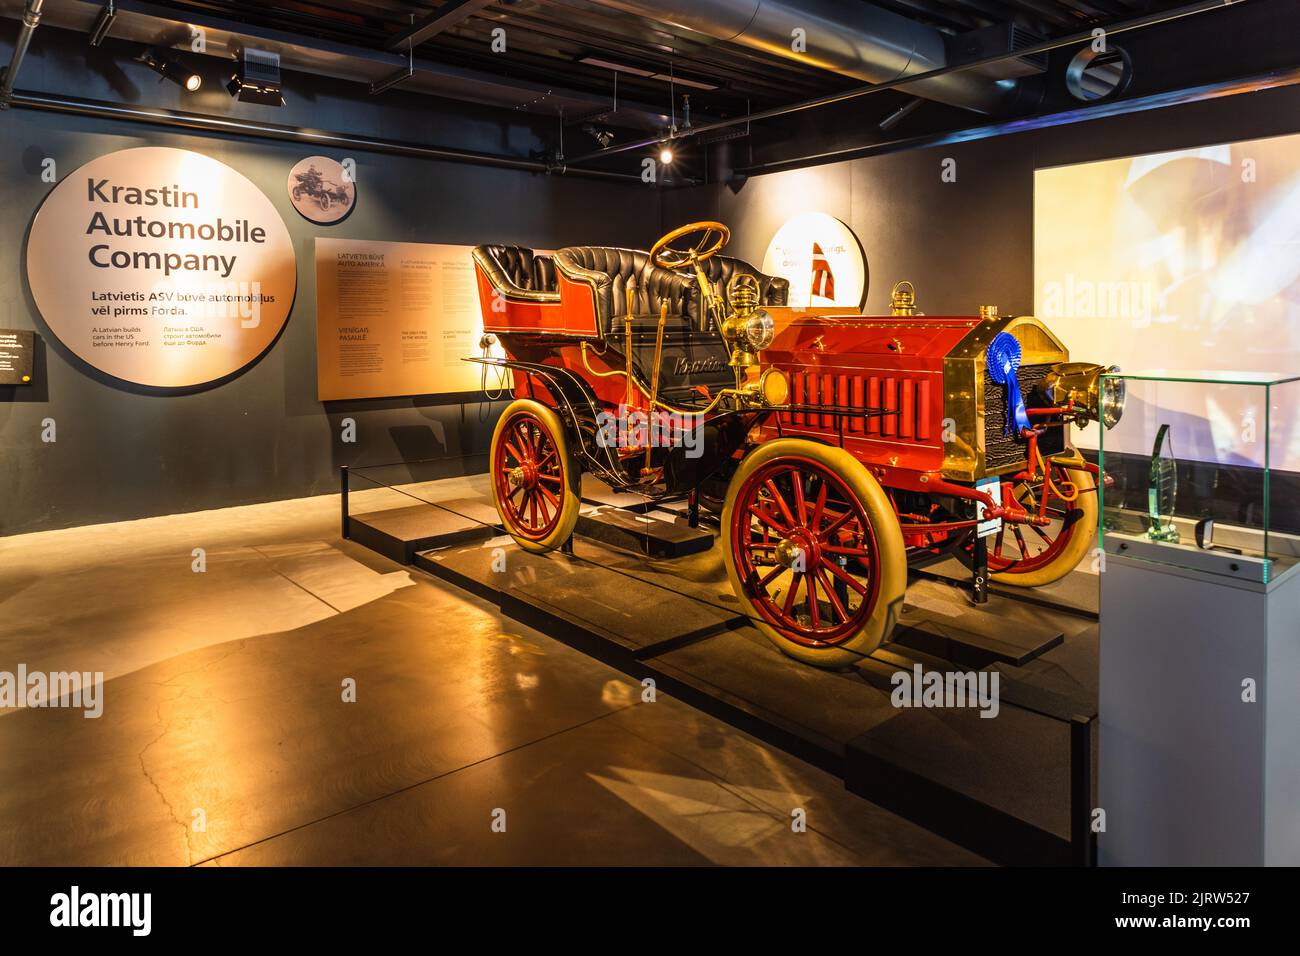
x,y
517,270
607,270
719,270
543,273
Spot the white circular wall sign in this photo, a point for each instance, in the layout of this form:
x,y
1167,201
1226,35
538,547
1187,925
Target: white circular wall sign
x,y
161,267
822,259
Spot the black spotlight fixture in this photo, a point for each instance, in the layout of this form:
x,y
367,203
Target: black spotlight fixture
x,y
600,134
170,68
257,78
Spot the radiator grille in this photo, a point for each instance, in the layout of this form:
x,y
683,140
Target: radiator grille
x,y
1001,449
908,402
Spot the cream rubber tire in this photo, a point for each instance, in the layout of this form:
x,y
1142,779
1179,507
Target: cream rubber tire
x,y
529,442
1083,535
869,628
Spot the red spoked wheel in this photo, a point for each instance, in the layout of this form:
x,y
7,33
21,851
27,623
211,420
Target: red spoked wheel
x,y
814,550
1030,555
534,483
796,516
529,477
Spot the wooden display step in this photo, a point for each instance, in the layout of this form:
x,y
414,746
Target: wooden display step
x,y
977,639
581,596
648,534
399,533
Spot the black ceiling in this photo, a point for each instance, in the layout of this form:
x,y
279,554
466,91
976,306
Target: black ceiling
x,y
548,39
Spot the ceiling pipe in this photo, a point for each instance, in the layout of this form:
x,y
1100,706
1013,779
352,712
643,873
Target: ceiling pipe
x,y
31,18
1137,23
103,23
900,114
1271,80
852,39
177,119
141,21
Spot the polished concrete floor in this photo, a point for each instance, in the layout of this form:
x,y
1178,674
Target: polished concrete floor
x,y
274,695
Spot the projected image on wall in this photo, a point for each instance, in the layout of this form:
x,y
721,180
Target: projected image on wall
x,y
1181,262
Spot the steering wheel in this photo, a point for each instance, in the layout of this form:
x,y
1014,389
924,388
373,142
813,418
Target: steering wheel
x,y
714,236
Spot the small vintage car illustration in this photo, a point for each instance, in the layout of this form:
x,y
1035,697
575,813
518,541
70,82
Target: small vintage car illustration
x,y
834,447
314,185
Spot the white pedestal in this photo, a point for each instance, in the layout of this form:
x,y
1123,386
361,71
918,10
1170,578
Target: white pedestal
x,y
1189,773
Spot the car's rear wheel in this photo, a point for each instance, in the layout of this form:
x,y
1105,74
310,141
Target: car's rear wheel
x,y
814,551
534,480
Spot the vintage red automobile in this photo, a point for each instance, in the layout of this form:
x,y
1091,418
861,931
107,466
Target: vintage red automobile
x,y
835,447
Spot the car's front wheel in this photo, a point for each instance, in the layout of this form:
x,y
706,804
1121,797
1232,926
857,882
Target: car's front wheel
x,y
1032,555
814,551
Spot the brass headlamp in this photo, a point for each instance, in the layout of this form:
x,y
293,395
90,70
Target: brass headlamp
x,y
748,329
1081,386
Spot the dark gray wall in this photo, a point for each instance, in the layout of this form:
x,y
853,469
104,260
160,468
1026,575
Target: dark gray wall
x,y
961,243
123,452
969,242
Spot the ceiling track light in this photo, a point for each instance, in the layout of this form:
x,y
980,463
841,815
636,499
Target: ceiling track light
x,y
257,78
388,82
103,23
170,68
666,155
644,73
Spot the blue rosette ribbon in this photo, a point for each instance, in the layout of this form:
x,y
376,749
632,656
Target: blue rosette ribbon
x,y
1003,363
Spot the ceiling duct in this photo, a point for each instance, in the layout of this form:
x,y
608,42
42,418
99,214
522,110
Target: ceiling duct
x,y
1000,39
852,39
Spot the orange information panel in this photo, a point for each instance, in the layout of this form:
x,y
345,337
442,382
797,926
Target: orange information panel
x,y
395,318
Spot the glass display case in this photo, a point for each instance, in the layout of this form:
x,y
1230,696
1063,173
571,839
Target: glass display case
x,y
1198,603
1203,472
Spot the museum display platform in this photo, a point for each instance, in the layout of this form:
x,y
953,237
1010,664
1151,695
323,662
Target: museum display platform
x,y
1004,788
399,533
1074,594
